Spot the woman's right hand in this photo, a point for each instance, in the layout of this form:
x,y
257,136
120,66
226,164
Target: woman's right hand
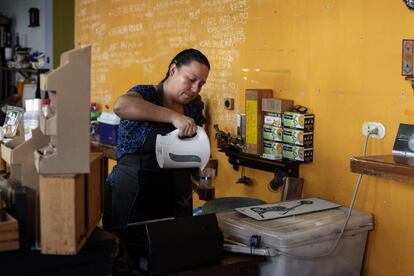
x,y
186,126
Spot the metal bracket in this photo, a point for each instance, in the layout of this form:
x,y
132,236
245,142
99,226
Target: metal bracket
x,y
238,158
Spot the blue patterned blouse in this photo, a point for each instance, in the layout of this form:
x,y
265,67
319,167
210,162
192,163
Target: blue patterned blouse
x,y
131,133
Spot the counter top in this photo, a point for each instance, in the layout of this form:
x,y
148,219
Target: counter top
x,y
109,151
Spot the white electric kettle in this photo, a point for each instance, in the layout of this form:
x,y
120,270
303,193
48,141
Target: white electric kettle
x,y
173,152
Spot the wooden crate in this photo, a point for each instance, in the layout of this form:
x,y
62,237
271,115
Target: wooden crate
x,y
70,208
9,234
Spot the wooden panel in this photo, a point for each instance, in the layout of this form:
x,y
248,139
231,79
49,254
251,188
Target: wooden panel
x,y
9,245
69,86
9,235
3,164
95,190
62,208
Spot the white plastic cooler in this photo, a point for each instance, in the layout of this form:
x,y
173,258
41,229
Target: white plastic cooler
x,y
305,236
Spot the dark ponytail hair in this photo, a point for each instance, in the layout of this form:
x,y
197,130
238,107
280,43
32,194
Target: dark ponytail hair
x,y
185,57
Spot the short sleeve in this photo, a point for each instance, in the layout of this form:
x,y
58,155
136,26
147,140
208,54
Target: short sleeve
x,y
146,91
132,133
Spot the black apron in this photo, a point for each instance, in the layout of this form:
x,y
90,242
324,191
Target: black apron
x,y
143,191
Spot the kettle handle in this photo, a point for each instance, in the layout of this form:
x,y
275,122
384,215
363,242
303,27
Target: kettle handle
x,y
187,137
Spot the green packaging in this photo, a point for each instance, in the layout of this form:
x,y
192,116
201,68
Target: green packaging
x,y
297,137
298,153
272,133
298,120
272,150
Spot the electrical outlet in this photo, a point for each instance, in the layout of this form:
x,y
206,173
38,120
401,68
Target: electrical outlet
x,y
377,129
229,103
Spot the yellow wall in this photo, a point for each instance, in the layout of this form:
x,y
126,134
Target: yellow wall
x,y
340,58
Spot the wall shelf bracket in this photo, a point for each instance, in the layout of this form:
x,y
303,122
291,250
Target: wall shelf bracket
x,y
237,159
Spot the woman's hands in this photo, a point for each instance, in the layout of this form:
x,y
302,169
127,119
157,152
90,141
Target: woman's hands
x,y
185,125
132,106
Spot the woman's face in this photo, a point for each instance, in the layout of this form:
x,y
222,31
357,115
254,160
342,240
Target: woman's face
x,y
186,81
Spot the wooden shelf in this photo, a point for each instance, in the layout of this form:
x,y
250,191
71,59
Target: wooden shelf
x,y
238,158
26,70
411,79
389,166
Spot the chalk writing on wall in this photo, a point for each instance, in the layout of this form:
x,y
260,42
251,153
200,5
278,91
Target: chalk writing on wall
x,y
134,42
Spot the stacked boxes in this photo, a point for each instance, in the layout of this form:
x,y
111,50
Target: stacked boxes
x,y
298,136
272,135
272,128
286,134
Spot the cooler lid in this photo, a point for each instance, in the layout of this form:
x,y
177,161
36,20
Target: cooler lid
x,y
296,230
287,208
109,118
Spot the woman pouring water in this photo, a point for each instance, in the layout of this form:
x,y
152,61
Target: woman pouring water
x,y
137,189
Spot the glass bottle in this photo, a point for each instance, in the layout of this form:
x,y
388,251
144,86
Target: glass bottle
x,y
8,50
17,44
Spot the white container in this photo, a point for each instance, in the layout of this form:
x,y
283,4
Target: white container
x,y
306,237
31,117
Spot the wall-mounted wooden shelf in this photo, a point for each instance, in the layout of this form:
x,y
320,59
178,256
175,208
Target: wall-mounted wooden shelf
x,y
411,79
8,79
25,72
389,166
238,158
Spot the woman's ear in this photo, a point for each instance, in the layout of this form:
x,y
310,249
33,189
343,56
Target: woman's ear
x,y
173,69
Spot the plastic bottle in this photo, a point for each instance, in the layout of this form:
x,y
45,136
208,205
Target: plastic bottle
x,y
47,110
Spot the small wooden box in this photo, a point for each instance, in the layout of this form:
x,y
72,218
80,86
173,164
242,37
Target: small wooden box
x,y
254,119
275,105
70,208
9,234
